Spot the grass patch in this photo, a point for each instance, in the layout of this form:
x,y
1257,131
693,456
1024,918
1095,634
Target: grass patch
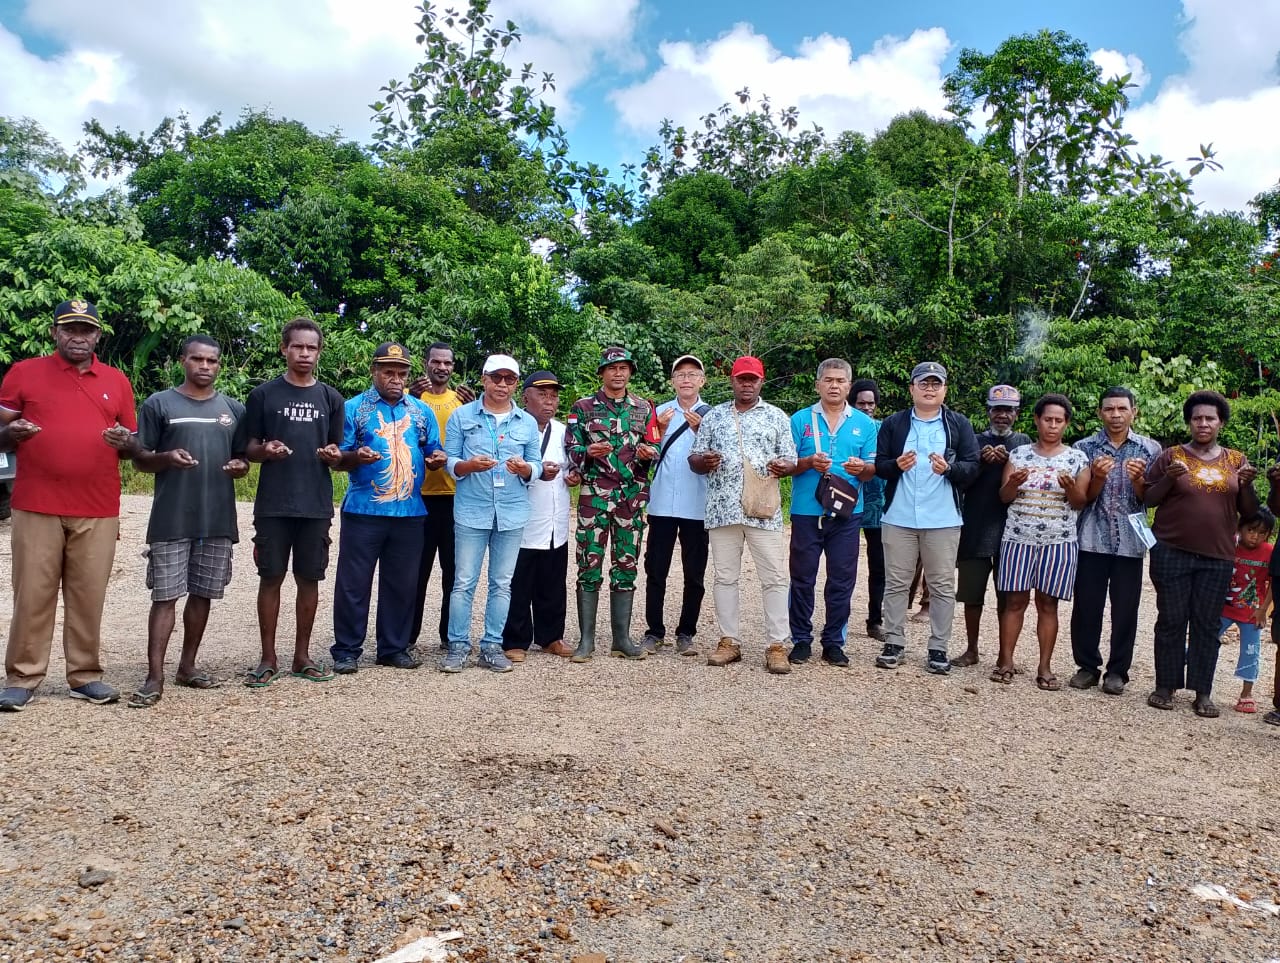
x,y
134,482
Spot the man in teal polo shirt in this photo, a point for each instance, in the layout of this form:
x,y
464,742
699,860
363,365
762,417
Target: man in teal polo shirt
x,y
830,436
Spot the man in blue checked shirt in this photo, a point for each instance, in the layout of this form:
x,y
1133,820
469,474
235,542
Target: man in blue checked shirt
x,y
389,440
830,436
493,451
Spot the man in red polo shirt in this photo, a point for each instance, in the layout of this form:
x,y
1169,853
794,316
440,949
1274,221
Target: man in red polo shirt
x,y
74,420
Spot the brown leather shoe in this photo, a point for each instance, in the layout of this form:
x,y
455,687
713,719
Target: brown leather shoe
x,y
775,659
559,647
516,655
727,651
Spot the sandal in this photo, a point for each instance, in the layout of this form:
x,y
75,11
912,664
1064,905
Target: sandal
x,y
198,681
1204,708
1160,699
1272,718
1247,705
1048,683
313,673
262,676
1001,675
143,699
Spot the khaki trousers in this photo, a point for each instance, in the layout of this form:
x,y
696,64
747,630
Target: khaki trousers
x,y
768,551
51,551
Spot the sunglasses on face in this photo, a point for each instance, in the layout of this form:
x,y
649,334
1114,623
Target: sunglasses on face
x,y
503,379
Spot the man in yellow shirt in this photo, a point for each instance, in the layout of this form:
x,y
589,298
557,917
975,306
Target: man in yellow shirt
x,y
438,489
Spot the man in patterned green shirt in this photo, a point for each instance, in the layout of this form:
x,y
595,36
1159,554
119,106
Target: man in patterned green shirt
x,y
610,442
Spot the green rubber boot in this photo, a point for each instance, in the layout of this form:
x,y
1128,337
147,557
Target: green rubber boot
x,y
588,603
620,619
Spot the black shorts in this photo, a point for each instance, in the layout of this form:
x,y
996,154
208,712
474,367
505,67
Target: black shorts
x,y
307,539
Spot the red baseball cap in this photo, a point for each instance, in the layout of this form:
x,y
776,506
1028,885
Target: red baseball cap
x,y
747,365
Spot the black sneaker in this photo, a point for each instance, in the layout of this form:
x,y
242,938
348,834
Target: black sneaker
x,y
1084,679
875,630
800,653
1112,684
401,660
346,666
890,656
834,655
938,662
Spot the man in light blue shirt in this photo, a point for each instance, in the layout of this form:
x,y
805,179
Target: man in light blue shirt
x,y
493,451
831,437
927,455
677,504
389,440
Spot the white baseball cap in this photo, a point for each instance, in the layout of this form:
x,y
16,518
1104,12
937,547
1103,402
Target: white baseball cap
x,y
501,362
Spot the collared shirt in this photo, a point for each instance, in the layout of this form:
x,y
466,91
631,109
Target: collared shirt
x,y
67,468
855,437
438,480
403,435
493,498
1104,523
924,498
548,525
626,423
677,491
766,435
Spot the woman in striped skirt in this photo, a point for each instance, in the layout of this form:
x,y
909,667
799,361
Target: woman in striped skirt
x,y
1045,486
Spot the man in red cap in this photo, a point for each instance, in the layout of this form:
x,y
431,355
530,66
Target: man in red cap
x,y
746,435
73,418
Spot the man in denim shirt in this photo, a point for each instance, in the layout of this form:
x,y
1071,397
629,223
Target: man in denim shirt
x,y
1110,551
493,452
389,440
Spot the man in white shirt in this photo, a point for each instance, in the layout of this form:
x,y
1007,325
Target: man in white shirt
x,y
677,504
538,594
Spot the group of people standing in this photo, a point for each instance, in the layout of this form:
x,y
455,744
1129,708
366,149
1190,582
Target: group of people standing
x,y
442,478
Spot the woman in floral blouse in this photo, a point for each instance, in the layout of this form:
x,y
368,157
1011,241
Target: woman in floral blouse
x,y
1199,491
1045,485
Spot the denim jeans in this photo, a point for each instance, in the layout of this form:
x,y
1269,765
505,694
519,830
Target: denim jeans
x,y
1250,648
469,546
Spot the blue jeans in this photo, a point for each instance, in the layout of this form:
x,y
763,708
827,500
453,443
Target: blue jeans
x,y
469,546
1250,648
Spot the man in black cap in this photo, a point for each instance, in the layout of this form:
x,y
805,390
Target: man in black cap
x,y
73,418
611,440
389,439
538,588
927,455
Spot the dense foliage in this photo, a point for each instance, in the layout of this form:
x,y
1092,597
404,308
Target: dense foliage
x,y
1023,238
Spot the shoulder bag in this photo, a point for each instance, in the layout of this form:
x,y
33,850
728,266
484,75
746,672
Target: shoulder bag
x,y
761,496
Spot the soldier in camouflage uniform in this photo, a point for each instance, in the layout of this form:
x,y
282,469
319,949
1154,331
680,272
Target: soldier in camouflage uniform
x,y
610,442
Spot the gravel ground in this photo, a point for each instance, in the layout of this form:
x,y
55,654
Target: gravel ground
x,y
653,811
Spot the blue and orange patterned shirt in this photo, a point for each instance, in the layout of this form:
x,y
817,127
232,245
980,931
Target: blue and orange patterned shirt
x,y
404,435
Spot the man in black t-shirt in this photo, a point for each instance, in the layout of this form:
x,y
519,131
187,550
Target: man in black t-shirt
x,y
978,554
286,424
185,436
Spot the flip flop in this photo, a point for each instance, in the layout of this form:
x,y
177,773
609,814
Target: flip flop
x,y
1246,705
1048,683
198,681
143,700
313,673
1003,676
262,676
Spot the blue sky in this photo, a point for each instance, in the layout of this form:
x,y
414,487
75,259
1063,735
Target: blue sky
x,y
1207,68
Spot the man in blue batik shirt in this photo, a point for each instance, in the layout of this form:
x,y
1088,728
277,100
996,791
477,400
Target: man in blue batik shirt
x,y
830,436
389,440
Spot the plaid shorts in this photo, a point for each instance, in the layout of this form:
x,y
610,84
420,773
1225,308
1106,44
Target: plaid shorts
x,y
199,566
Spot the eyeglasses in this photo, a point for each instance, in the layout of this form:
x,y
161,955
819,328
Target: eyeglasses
x,y
503,379
686,376
930,385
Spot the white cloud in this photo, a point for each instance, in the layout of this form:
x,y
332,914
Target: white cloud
x,y
1232,46
320,63
829,84
1116,64
1228,96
